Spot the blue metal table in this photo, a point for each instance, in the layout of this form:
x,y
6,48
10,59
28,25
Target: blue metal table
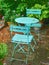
x,y
28,21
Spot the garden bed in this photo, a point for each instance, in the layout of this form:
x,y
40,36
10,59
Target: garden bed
x,y
4,34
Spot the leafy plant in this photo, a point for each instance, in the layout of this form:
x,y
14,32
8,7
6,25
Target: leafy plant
x,y
3,50
44,11
10,15
6,8
21,9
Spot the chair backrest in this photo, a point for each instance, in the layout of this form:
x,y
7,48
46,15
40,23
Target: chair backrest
x,y
33,11
36,12
22,29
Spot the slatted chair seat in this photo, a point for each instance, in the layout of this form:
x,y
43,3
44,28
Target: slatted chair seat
x,y
22,38
38,25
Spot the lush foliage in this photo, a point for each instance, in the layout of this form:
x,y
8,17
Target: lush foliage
x,y
44,11
15,8
3,50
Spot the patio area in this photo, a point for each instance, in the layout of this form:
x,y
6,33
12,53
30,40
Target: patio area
x,y
41,54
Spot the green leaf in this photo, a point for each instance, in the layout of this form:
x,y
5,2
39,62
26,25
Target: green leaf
x,y
37,6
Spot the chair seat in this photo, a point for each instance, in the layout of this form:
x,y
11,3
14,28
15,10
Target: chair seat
x,y
37,25
22,38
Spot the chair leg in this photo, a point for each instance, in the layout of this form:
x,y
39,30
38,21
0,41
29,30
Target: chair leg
x,y
13,52
14,49
26,59
32,47
34,41
38,36
28,52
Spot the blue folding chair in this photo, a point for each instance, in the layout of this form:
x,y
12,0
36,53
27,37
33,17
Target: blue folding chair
x,y
36,25
20,40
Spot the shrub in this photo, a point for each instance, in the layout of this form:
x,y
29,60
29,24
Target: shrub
x,y
3,50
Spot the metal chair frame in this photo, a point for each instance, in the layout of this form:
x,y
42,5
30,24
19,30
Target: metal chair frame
x,y
36,25
22,39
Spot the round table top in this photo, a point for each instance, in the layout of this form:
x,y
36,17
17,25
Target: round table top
x,y
26,20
